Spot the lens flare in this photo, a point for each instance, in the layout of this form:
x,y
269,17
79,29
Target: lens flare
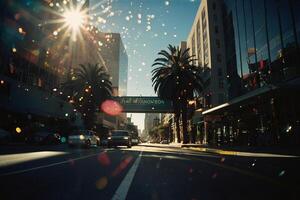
x,y
111,107
63,140
74,19
101,183
123,165
104,159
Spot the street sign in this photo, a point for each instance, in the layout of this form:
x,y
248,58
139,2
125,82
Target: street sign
x,y
137,104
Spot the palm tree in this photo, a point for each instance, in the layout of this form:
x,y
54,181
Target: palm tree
x,y
87,89
176,79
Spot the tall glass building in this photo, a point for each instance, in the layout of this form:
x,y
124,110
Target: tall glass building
x,y
262,47
263,40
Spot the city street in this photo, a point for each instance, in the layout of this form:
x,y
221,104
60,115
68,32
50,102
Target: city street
x,y
203,94
144,172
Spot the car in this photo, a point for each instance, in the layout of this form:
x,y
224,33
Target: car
x,y
119,138
164,142
104,142
5,136
83,138
44,137
134,141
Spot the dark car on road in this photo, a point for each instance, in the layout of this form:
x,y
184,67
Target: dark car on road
x,y
119,138
44,137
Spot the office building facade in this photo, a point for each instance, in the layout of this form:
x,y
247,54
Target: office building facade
x,y
262,47
206,43
29,76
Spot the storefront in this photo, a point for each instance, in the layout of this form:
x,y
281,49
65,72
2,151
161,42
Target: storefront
x,y
30,108
264,117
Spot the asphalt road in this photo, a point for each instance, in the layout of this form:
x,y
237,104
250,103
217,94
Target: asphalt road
x,y
144,172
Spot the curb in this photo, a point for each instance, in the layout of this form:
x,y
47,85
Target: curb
x,y
240,153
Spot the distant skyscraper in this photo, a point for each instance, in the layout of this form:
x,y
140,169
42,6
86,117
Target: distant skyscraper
x,y
151,120
183,45
115,59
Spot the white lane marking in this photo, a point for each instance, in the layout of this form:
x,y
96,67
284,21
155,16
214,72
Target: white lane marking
x,y
121,192
46,166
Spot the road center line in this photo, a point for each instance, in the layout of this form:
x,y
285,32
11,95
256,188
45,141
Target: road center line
x,y
121,192
46,166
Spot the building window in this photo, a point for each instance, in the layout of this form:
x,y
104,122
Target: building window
x,y
218,43
216,29
214,6
219,58
198,33
215,18
221,83
220,72
221,98
203,14
193,45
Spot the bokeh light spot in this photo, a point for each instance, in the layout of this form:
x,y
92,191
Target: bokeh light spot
x,y
124,163
101,183
104,159
281,173
214,175
111,107
63,139
18,130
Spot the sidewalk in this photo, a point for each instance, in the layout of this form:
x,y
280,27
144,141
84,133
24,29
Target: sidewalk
x,y
15,148
244,151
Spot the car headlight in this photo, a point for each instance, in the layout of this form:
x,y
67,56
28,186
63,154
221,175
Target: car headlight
x,y
126,138
81,137
109,138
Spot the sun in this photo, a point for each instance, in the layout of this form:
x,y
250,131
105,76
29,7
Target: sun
x,y
71,25
74,19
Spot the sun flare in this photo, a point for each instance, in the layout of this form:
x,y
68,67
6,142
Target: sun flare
x,y
74,19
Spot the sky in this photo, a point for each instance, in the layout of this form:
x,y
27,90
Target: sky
x,y
146,27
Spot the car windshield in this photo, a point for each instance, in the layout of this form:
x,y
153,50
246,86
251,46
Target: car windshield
x,y
150,99
119,133
80,132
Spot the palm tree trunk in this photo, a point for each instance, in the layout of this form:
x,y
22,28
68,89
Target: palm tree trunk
x,y
184,121
177,118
